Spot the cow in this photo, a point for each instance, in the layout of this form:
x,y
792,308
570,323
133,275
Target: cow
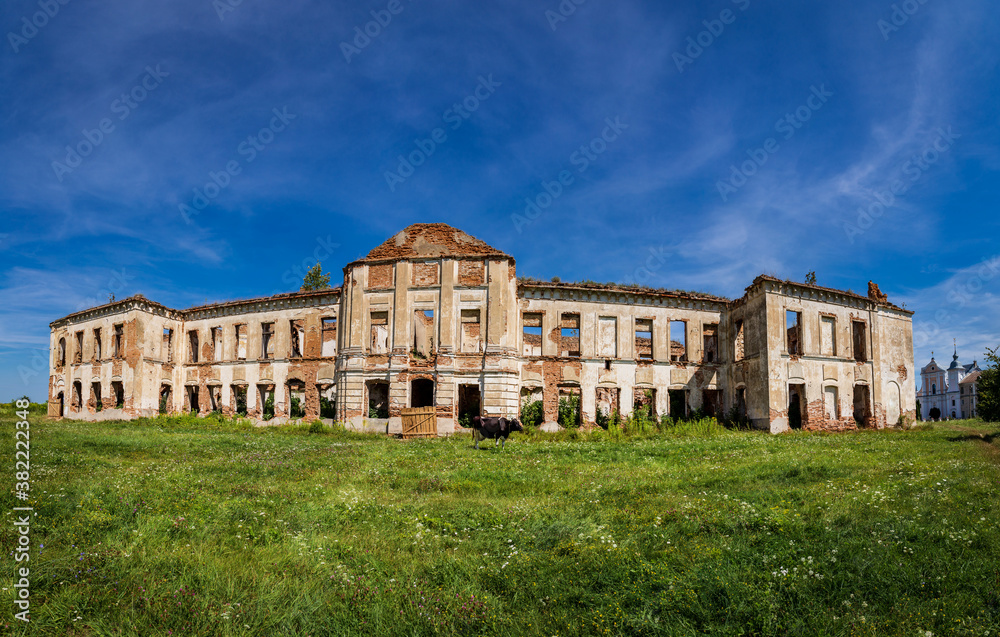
x,y
492,427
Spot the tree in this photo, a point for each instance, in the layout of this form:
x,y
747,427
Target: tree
x,y
811,277
988,388
315,279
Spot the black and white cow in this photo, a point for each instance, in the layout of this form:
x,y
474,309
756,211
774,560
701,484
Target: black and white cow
x,y
496,428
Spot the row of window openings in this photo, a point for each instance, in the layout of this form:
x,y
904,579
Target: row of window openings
x,y
265,397
423,342
569,338
828,336
76,399
267,340
117,345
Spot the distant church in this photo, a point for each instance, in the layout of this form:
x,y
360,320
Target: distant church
x,y
948,394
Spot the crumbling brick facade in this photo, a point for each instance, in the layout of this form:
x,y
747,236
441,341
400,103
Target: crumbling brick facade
x,y
435,317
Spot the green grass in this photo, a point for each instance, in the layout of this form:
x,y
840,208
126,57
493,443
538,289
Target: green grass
x,y
180,526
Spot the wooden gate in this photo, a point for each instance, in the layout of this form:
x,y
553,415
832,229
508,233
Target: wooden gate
x,y
419,422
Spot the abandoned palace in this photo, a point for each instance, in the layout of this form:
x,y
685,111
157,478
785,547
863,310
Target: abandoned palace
x,y
436,318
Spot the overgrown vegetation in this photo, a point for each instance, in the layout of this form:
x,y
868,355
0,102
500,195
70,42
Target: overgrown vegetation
x,y
532,413
988,388
315,279
210,526
569,412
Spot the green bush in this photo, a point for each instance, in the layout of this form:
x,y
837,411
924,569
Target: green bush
x,y
532,413
269,407
317,427
569,412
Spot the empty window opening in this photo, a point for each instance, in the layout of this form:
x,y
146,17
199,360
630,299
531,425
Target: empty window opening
x,y
608,406
740,342
118,389
192,399
241,342
380,333
297,337
167,345
831,403
62,404
267,341
296,399
215,398
378,399
644,403
569,336
570,414
95,394
471,330
644,339
239,393
933,389
327,401
217,351
118,345
711,402
421,392
741,403
862,406
265,398
828,335
165,399
97,344
796,405
710,342
607,336
423,333
678,341
607,364
531,334
793,332
61,352
78,352
678,403
860,339
329,333
532,406
193,346
76,401
469,404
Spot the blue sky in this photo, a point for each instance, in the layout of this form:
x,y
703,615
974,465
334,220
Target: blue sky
x,y
184,89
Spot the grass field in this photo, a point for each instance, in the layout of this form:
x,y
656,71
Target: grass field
x,y
184,527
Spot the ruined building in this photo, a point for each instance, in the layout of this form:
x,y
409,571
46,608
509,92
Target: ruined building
x,y
435,317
